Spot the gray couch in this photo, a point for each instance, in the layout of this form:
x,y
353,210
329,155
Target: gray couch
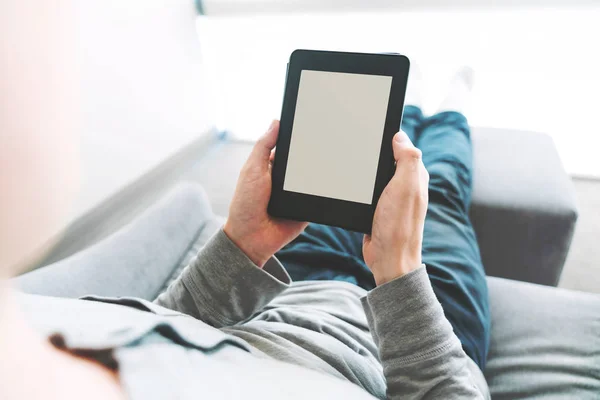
x,y
545,341
524,210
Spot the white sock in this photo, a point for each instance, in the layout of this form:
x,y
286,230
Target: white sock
x,y
414,89
459,92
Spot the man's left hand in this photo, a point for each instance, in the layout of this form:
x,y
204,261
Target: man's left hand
x,y
249,226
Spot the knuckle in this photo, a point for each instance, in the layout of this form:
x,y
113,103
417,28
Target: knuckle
x,y
409,152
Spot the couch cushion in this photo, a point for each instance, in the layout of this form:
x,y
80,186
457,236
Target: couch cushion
x,y
545,342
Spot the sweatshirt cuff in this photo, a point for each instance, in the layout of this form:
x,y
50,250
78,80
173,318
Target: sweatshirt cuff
x,y
229,287
407,308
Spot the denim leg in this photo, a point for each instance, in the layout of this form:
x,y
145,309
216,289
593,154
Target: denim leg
x,y
411,122
324,252
328,253
450,249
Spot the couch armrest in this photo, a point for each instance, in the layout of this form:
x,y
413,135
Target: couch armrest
x,y
523,208
139,259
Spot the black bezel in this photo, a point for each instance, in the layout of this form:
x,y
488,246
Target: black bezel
x,y
345,214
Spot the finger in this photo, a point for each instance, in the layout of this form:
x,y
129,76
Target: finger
x,y
402,137
266,143
272,156
405,153
366,239
269,139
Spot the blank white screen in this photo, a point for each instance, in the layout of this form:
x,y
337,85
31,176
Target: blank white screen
x,y
337,133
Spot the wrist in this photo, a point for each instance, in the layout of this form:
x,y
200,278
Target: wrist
x,y
389,270
247,246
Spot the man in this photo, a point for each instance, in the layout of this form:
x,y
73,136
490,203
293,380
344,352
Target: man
x,y
400,314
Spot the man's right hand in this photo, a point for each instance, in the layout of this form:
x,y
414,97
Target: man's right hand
x,y
394,247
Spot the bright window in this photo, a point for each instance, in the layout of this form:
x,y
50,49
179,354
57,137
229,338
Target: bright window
x,y
535,69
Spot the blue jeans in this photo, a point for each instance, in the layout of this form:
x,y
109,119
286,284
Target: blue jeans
x,y
450,248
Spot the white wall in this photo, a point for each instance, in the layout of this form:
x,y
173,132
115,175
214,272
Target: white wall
x,y
143,87
240,7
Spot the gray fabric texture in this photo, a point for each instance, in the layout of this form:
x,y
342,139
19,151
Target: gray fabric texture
x,y
233,307
523,209
318,325
163,354
140,259
545,342
531,325
321,325
421,356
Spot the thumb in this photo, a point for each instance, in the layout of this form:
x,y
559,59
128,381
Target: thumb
x,y
404,149
266,143
366,239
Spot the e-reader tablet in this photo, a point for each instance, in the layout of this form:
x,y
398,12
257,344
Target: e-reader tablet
x,y
334,151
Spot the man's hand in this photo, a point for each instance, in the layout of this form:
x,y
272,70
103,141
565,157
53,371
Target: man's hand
x,y
249,226
394,247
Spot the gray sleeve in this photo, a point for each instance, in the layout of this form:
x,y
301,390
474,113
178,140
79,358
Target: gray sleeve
x,y
422,357
222,286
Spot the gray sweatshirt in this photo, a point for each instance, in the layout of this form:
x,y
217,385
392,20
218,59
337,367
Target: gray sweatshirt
x,y
237,331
